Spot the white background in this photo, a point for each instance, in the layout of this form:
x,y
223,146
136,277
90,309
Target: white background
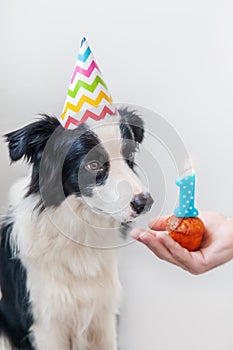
x,y
174,57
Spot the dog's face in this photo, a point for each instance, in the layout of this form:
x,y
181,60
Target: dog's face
x,y
95,164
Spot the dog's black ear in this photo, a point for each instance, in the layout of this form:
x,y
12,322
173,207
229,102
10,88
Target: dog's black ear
x,y
29,141
134,122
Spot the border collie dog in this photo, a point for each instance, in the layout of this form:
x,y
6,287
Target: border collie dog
x,y
59,286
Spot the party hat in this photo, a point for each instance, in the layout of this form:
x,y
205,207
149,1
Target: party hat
x,y
88,96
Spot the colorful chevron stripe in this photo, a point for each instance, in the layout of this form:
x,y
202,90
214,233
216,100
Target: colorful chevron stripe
x,y
86,72
88,95
85,99
89,114
90,87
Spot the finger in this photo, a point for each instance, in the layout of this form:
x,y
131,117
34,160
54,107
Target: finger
x,y
137,232
211,219
183,257
153,241
158,224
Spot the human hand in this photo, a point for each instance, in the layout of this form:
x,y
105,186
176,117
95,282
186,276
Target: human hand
x,y
216,248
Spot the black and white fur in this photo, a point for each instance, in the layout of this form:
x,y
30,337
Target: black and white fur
x,y
59,287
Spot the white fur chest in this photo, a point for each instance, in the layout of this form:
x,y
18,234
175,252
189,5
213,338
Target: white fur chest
x,y
65,305
73,287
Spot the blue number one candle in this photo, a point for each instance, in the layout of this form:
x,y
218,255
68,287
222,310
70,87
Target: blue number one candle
x,y
186,207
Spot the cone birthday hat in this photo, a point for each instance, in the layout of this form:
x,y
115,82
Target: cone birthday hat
x,y
88,96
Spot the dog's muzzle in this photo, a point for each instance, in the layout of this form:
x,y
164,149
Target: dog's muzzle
x,y
142,203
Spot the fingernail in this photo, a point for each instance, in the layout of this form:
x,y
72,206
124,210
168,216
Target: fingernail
x,y
137,234
142,234
152,233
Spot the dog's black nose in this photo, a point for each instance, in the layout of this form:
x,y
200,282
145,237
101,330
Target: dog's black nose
x,y
142,203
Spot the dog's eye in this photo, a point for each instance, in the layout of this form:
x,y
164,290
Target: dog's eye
x,y
93,166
